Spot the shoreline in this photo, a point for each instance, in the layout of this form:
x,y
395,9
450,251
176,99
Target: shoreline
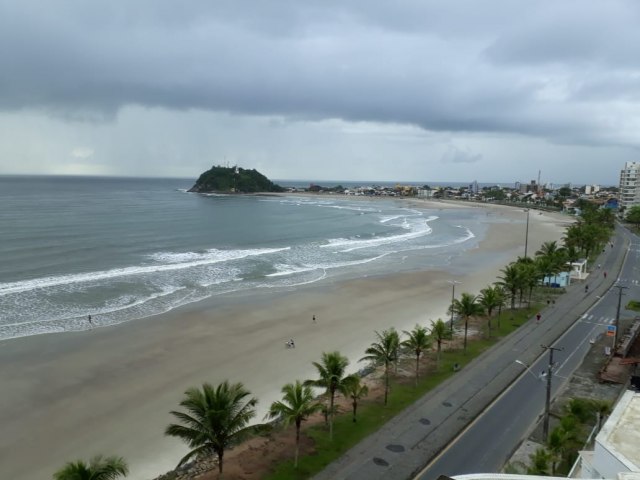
x,y
84,385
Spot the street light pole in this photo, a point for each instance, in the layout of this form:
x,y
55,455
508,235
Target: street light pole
x,y
453,296
526,235
547,405
615,334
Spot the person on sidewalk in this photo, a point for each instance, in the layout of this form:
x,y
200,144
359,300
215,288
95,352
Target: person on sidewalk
x,y
538,316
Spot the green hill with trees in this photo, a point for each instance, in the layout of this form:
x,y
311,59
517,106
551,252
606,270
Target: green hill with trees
x,y
233,180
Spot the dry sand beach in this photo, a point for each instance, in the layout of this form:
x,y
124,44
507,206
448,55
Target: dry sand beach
x,y
109,390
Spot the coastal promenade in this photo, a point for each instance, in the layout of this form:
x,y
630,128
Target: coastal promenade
x,y
412,439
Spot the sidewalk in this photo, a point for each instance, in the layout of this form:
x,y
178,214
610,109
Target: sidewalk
x,y
408,442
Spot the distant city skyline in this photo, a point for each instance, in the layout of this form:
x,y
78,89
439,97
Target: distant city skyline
x,y
434,91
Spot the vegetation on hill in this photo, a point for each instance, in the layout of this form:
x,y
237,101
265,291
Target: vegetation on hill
x,y
233,179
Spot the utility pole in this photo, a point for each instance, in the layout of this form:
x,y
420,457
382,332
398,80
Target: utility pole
x,y
615,334
453,296
547,406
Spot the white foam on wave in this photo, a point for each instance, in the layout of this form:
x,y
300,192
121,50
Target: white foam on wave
x,y
175,261
284,270
355,208
468,236
389,218
418,228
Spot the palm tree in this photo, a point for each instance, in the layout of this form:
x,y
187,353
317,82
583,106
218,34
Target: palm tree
x,y
530,276
355,390
501,299
383,352
511,281
548,249
561,441
332,371
489,299
603,410
467,306
540,462
396,354
98,468
550,259
297,404
546,267
439,332
418,341
216,419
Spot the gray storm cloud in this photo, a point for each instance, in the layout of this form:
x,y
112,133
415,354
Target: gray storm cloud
x,y
538,69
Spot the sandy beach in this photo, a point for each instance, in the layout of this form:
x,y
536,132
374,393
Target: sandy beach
x,y
109,390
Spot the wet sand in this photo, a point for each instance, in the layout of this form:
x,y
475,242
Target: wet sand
x,y
109,390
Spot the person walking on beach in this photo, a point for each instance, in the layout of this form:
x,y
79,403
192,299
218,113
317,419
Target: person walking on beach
x,y
90,322
314,319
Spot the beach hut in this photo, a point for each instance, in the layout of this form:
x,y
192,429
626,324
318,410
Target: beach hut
x,y
562,279
579,269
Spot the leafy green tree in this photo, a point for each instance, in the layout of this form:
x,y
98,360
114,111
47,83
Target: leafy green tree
x,y
418,342
633,215
439,332
565,192
98,468
234,179
355,390
297,405
383,352
332,372
215,419
467,306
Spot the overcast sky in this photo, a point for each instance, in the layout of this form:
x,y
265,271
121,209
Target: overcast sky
x,y
420,90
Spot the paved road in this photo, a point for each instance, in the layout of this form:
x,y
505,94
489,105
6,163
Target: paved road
x,y
403,446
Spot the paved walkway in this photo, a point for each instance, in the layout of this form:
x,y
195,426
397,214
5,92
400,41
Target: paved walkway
x,y
408,442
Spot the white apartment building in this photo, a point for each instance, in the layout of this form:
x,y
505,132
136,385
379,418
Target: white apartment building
x,y
630,185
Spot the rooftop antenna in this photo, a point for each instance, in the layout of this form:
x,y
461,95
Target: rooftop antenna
x,y
539,187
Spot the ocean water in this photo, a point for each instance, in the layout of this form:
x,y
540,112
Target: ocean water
x,y
122,249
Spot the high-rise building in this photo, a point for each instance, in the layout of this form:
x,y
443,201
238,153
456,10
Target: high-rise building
x,y
630,184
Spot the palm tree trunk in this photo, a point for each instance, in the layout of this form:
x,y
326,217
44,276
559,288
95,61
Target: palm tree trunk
x,y
499,313
466,326
386,383
331,415
438,354
355,407
417,368
220,455
295,459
